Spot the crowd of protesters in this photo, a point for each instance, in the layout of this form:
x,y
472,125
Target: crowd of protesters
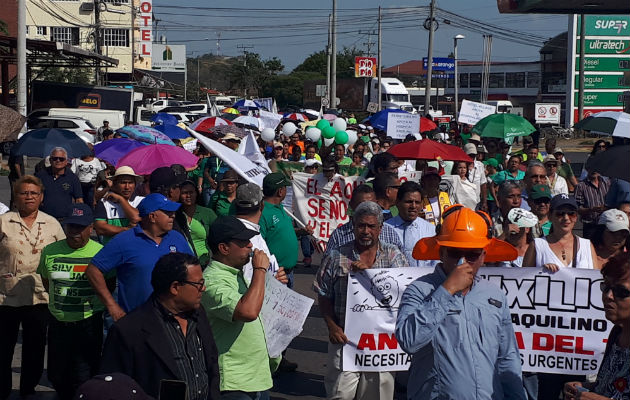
x,y
162,277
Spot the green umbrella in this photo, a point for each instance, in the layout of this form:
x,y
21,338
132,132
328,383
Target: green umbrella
x,y
503,126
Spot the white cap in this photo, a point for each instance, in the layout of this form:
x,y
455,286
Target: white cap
x,y
615,220
475,137
470,148
522,218
311,162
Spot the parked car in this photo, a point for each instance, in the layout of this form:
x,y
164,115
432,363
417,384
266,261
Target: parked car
x,y
159,105
81,126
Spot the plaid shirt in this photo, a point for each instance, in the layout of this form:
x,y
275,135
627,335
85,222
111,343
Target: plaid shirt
x,y
344,234
588,195
331,280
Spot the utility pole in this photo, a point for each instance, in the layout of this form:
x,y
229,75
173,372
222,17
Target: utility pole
x,y
379,56
328,56
333,63
97,39
581,75
427,90
244,51
455,39
218,44
369,42
21,58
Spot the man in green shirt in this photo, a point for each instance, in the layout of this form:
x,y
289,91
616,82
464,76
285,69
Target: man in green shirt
x,y
276,226
75,334
221,200
233,307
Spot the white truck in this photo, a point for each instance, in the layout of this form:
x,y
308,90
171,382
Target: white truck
x,y
96,117
393,94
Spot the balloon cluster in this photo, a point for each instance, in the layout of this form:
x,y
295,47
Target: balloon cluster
x,y
336,133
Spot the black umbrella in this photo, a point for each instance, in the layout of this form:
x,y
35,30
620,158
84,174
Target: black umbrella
x,y
40,142
612,163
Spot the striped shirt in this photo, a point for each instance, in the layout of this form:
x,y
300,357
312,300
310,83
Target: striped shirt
x,y
588,195
188,352
344,234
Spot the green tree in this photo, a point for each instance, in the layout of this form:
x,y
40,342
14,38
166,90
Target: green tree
x,y
67,75
254,72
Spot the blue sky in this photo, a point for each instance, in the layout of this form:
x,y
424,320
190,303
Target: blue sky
x,y
276,28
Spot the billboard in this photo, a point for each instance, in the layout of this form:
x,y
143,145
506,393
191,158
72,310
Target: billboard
x,y
440,64
606,58
364,67
168,57
145,24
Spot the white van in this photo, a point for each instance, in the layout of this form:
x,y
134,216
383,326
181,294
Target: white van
x,y
503,106
96,117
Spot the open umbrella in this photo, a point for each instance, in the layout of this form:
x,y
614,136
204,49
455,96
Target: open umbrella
x,y
144,134
11,123
296,117
426,125
503,126
612,163
114,149
147,159
206,124
428,150
247,104
379,120
613,123
172,131
40,142
249,122
329,117
164,119
223,130
231,110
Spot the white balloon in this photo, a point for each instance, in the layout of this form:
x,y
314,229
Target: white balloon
x,y
330,141
289,129
313,134
352,137
340,124
268,134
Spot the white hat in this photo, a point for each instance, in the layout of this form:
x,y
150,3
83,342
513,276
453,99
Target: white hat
x,y
558,150
311,162
475,137
615,220
470,148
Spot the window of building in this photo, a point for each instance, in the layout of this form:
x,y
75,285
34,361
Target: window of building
x,y
533,79
475,80
515,79
64,34
463,80
116,1
41,30
497,80
116,37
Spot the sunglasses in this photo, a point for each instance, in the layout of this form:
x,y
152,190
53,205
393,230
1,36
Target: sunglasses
x,y
620,292
541,201
467,254
60,159
561,214
198,285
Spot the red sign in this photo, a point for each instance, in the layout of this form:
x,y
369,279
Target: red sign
x,y
364,67
591,111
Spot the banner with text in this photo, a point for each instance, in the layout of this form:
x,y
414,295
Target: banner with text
x,y
473,112
558,318
399,125
321,204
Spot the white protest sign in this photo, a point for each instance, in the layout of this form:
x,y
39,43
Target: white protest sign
x,y
413,176
558,319
283,313
249,148
269,119
241,164
399,125
473,112
322,205
547,113
190,145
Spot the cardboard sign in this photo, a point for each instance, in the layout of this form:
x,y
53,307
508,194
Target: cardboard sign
x,y
473,112
399,125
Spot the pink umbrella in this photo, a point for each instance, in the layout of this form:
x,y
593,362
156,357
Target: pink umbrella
x,y
206,124
146,159
329,117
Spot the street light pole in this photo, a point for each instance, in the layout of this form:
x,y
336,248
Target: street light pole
x,y
455,39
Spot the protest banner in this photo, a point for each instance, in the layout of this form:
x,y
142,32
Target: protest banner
x,y
249,148
283,313
413,176
558,319
399,125
289,167
472,112
322,205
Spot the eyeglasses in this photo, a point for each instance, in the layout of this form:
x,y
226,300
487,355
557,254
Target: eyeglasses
x,y
560,214
620,292
538,176
32,194
551,165
199,285
60,159
543,200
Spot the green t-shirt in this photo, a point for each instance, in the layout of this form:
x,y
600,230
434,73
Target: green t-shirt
x,y
220,204
490,196
465,137
276,227
244,363
503,176
546,228
345,161
199,227
565,171
71,295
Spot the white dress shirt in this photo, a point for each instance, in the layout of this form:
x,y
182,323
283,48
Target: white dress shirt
x,y
410,233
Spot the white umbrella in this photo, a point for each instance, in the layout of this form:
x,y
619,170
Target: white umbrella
x,y
247,121
613,123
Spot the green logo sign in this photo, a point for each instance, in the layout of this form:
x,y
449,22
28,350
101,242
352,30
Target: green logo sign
x,y
606,25
606,46
603,64
606,99
601,82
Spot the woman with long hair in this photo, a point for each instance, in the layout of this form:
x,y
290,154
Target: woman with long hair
x,y
611,235
466,192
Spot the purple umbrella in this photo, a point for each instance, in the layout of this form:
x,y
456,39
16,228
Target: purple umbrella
x,y
146,159
114,149
144,134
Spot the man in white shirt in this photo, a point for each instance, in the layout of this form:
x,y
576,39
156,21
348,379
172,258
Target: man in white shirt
x,y
407,225
557,183
477,175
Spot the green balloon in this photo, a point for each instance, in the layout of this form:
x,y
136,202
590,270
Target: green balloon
x,y
322,124
328,132
319,143
341,137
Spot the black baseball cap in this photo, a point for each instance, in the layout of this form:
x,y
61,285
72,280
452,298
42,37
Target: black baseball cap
x,y
163,177
561,200
227,228
114,386
80,214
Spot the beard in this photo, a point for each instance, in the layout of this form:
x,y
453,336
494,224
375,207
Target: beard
x,y
365,242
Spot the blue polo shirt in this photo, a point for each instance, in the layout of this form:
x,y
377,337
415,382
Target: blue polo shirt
x,y
133,255
59,193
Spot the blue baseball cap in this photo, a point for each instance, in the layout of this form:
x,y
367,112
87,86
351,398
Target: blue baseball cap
x,y
79,214
154,202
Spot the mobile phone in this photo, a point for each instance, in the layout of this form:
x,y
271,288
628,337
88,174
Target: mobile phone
x,y
173,390
581,389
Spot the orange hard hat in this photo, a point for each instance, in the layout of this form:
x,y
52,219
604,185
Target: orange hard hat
x,y
464,228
